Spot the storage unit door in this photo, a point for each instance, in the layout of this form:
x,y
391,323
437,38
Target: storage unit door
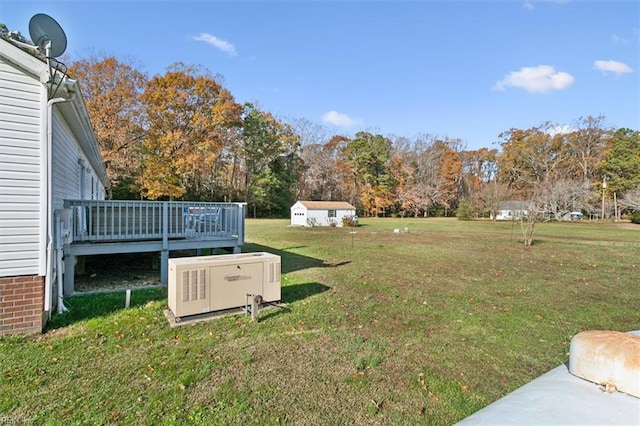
x,y
230,284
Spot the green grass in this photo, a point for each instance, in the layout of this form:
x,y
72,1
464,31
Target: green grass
x,y
419,327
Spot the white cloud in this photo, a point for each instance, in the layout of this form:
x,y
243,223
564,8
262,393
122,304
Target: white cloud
x,y
619,40
540,79
214,41
338,119
529,4
560,129
612,66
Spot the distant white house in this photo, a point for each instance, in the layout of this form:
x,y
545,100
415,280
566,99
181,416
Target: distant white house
x,y
571,216
512,210
48,153
320,213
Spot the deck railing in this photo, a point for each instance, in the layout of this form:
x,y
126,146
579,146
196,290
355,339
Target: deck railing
x,y
112,220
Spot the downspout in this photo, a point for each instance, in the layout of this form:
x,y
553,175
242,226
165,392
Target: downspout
x,y
59,254
49,210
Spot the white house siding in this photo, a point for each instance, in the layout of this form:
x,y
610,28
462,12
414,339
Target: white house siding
x,y
321,216
21,218
69,160
512,210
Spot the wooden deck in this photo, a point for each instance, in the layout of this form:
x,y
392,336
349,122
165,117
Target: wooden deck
x,y
105,227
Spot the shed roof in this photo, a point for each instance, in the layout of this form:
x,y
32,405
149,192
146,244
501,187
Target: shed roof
x,y
515,205
327,205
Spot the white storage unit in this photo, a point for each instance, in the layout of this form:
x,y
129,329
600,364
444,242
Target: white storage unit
x,y
321,213
212,283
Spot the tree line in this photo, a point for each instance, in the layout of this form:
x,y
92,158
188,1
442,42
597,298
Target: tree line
x,y
182,136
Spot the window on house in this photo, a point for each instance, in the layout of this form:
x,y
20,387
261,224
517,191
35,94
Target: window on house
x,y
331,213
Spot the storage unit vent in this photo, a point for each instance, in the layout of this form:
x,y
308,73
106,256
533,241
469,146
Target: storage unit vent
x,y
274,272
210,283
194,284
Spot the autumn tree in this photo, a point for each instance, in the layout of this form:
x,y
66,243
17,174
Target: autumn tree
x,y
271,161
226,181
111,89
450,171
423,187
550,169
478,167
346,185
324,176
585,148
529,158
402,173
188,116
478,171
316,166
436,173
368,156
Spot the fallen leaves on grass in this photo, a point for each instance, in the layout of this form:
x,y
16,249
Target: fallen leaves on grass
x,y
424,387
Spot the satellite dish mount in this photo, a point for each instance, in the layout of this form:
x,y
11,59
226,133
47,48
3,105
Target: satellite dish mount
x,y
51,41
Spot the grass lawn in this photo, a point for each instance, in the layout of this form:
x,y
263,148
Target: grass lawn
x,y
418,327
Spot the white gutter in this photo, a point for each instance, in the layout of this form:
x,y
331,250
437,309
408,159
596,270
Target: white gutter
x,y
43,247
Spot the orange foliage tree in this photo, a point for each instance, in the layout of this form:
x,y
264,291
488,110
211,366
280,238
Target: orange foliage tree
x,y
188,117
111,90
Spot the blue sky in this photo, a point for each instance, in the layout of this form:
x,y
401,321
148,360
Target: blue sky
x,y
463,69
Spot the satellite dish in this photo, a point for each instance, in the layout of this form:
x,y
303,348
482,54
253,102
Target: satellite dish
x,y
48,35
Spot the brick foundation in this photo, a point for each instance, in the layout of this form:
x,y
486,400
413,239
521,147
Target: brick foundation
x,y
21,305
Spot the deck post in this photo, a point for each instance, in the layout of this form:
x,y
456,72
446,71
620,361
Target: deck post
x,y
241,214
69,271
164,267
164,255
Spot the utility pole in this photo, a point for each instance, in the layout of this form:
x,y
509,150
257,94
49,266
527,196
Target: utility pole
x,y
604,187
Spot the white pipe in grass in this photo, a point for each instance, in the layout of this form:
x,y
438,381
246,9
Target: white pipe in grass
x,y
127,299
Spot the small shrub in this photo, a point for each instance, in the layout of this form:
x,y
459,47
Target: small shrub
x,y
350,221
635,217
464,211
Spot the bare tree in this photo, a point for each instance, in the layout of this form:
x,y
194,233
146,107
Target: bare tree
x,y
493,195
631,199
586,145
310,133
561,196
528,226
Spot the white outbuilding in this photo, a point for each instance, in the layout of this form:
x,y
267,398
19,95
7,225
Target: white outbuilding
x,y
320,213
